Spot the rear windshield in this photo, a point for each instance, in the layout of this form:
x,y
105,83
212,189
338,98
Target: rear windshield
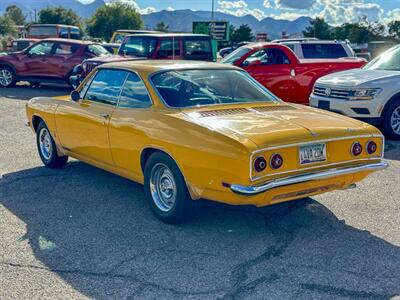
x,y
197,48
43,30
97,50
323,51
192,88
138,46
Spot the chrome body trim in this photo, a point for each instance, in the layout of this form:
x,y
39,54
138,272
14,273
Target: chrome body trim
x,y
254,190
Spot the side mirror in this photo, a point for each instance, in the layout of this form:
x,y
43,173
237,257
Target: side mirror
x,y
75,96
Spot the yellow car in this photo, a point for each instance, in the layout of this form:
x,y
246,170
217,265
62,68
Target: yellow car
x,y
191,130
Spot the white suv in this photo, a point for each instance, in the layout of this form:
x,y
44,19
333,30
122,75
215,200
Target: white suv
x,y
371,93
314,48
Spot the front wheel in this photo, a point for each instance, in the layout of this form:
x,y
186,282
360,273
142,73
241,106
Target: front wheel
x,y
166,190
391,121
7,77
47,148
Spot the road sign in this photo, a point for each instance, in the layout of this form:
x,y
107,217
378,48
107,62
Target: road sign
x,y
219,30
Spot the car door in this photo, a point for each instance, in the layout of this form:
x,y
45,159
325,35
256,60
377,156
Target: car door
x,y
36,60
132,115
82,126
63,59
272,68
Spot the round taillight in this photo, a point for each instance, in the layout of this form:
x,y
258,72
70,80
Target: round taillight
x,y
276,161
356,149
371,147
260,164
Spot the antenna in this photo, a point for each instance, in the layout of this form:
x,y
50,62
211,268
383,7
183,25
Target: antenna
x,y
173,47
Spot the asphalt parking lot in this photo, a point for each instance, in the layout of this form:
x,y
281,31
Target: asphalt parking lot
x,y
80,232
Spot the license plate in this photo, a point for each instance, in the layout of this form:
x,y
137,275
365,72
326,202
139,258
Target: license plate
x,y
312,153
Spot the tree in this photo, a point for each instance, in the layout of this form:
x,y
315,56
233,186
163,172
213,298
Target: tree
x,y
242,34
109,18
394,29
7,26
161,26
15,13
319,29
59,15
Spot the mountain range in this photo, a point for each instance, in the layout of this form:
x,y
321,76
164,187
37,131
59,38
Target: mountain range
x,y
177,20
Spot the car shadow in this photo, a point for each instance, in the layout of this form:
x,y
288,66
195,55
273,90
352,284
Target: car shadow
x,y
392,149
24,91
94,230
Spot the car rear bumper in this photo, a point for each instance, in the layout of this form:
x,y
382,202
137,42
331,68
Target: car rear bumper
x,y
287,181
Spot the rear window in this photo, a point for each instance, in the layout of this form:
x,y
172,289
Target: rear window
x,y
197,49
323,51
138,46
43,30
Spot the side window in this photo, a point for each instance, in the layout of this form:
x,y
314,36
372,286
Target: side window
x,y
63,33
270,56
323,51
134,93
43,48
197,47
65,49
169,48
106,86
75,34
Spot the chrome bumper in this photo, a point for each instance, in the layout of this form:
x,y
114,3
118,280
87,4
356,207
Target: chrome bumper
x,y
253,190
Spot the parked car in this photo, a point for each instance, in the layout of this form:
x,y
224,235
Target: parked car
x,y
119,35
228,50
371,94
198,130
49,60
42,31
314,48
176,46
279,69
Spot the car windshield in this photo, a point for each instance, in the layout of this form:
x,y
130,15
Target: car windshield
x,y
191,88
98,50
235,55
138,46
388,60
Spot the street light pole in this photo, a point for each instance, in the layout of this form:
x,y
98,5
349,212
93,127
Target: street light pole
x,y
212,10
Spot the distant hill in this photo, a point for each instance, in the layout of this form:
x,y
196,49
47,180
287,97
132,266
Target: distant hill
x,y
181,20
178,20
28,6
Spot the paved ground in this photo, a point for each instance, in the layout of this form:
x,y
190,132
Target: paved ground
x,y
80,232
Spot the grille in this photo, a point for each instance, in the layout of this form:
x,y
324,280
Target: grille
x,y
273,108
223,112
331,93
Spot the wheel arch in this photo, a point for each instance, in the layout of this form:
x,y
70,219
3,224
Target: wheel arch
x,y
393,98
3,63
36,121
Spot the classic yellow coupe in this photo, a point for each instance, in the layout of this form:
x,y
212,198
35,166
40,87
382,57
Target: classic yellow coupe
x,y
191,130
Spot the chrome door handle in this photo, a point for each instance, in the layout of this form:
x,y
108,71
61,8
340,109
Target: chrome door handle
x,y
292,73
105,115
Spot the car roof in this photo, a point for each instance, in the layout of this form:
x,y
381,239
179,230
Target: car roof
x,y
314,42
152,66
170,35
70,41
138,31
51,25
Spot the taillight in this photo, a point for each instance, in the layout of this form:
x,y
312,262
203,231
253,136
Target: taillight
x,y
260,164
371,147
356,149
276,161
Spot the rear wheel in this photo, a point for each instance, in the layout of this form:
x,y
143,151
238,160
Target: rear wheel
x,y
7,77
47,148
166,189
391,121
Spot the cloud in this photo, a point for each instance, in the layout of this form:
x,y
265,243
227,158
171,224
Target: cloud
x,y
232,4
142,11
169,8
295,4
287,16
267,4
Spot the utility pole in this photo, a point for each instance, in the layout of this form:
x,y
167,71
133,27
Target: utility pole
x,y
212,10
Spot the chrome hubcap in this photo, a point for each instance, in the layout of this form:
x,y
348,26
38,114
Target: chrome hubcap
x,y
162,187
5,77
395,120
45,143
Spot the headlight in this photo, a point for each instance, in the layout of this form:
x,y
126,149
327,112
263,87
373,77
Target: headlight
x,y
364,94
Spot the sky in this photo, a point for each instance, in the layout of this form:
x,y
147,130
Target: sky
x,y
333,11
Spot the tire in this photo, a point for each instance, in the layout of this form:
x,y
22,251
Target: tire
x,y
166,190
391,121
47,148
7,77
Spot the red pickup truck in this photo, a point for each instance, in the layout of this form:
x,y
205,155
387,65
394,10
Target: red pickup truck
x,y
277,68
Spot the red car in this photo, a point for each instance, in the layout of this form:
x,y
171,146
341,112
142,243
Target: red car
x,y
48,60
277,68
